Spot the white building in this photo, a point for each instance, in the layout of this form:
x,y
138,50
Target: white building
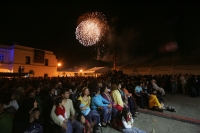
x,y
42,62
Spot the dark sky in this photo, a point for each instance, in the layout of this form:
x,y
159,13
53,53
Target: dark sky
x,y
136,28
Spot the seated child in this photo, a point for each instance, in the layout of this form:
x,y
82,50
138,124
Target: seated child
x,y
128,123
61,113
87,127
89,114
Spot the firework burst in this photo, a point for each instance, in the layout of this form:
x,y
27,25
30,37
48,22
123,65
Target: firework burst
x,y
92,28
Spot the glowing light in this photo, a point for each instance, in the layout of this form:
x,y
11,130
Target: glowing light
x,y
91,29
81,70
59,64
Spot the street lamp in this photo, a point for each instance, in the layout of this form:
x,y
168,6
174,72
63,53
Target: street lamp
x,y
59,65
81,72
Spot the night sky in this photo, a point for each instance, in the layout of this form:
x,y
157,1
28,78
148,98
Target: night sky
x,y
137,29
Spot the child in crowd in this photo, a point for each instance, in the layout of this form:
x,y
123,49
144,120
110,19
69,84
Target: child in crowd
x,y
127,123
89,114
61,113
87,127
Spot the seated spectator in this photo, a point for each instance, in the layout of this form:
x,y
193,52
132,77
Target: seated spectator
x,y
87,127
22,116
91,115
73,95
102,106
154,104
141,95
77,127
127,123
85,98
9,104
105,94
48,104
116,96
62,115
132,105
6,121
33,126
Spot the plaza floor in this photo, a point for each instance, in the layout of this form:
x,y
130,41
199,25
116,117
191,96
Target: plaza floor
x,y
185,120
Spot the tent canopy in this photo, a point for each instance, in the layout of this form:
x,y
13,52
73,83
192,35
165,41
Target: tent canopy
x,y
97,70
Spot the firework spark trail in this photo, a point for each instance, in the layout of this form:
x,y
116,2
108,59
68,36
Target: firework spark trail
x,y
91,29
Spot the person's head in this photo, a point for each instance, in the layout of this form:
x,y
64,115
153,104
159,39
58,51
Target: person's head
x,y
109,84
59,84
119,86
7,97
59,101
85,91
81,118
153,81
126,114
114,87
96,90
140,83
65,93
104,89
56,86
1,107
35,113
154,92
52,91
30,93
37,90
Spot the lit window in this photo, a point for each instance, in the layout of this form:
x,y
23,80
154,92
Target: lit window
x,y
1,58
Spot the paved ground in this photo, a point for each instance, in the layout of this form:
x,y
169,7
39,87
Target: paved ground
x,y
187,109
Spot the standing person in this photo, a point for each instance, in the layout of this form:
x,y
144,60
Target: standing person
x,y
173,84
77,127
62,115
183,83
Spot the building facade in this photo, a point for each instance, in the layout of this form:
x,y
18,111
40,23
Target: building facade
x,y
41,62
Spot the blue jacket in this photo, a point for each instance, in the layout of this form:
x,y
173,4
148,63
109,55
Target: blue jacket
x,y
99,101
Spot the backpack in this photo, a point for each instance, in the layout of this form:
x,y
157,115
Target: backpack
x,y
34,128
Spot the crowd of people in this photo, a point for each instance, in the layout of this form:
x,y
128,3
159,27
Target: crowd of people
x,y
85,104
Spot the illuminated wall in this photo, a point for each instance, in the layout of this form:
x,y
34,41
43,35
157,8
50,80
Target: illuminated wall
x,y
15,56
